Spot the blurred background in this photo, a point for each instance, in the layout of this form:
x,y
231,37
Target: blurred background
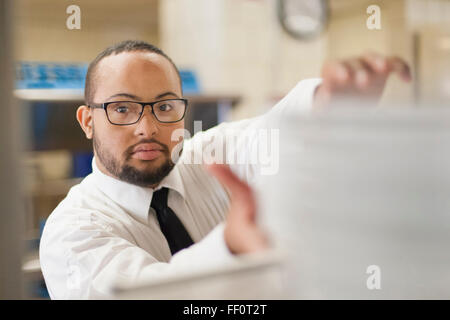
x,y
237,57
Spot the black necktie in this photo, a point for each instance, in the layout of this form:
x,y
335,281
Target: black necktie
x,y
172,228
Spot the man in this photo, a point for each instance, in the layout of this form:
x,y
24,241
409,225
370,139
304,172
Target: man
x,y
142,213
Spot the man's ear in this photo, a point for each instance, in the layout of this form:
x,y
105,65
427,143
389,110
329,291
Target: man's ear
x,y
84,117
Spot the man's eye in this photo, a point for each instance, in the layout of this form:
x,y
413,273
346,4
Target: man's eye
x,y
121,109
165,107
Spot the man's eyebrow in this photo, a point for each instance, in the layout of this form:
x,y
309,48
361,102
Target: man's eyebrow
x,y
162,95
128,95
133,97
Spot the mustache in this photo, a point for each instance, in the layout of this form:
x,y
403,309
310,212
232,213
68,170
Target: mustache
x,y
129,151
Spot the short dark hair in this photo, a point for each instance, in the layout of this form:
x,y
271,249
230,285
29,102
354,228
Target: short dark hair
x,y
124,46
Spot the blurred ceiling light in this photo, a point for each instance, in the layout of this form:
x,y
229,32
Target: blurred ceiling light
x,y
303,19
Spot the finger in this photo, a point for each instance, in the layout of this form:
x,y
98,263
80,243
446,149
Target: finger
x,y
376,62
241,194
360,72
335,72
245,239
399,66
226,177
256,241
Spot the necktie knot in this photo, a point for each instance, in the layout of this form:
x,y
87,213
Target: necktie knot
x,y
159,199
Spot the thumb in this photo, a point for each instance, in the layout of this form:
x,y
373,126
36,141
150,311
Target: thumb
x,y
241,194
226,177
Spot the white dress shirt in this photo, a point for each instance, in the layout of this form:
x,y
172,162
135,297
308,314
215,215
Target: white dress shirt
x,y
104,232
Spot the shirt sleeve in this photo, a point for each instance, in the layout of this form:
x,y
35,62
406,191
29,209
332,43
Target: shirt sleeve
x,y
85,258
250,146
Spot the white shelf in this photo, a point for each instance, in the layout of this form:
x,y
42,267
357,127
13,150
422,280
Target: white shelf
x,y
50,94
78,95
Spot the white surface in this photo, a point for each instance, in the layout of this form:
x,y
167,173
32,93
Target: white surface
x,y
363,187
252,277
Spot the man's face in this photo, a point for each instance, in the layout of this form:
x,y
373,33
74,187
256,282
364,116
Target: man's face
x,y
135,76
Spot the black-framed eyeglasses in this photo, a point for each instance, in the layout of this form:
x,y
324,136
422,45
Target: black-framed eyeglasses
x,y
123,113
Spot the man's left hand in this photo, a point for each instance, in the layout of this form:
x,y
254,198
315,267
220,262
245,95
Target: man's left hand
x,y
361,79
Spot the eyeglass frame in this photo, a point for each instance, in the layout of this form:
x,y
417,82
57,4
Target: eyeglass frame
x,y
104,105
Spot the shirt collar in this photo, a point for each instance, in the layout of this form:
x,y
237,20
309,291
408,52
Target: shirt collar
x,y
134,199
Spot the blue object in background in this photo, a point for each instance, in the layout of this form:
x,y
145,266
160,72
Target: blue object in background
x,y
50,75
189,82
39,289
59,75
41,226
82,164
39,114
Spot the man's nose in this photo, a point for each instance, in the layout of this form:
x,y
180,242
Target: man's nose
x,y
147,125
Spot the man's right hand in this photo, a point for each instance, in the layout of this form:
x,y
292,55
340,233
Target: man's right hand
x,y
242,234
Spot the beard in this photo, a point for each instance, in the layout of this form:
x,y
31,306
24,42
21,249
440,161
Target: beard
x,y
144,178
